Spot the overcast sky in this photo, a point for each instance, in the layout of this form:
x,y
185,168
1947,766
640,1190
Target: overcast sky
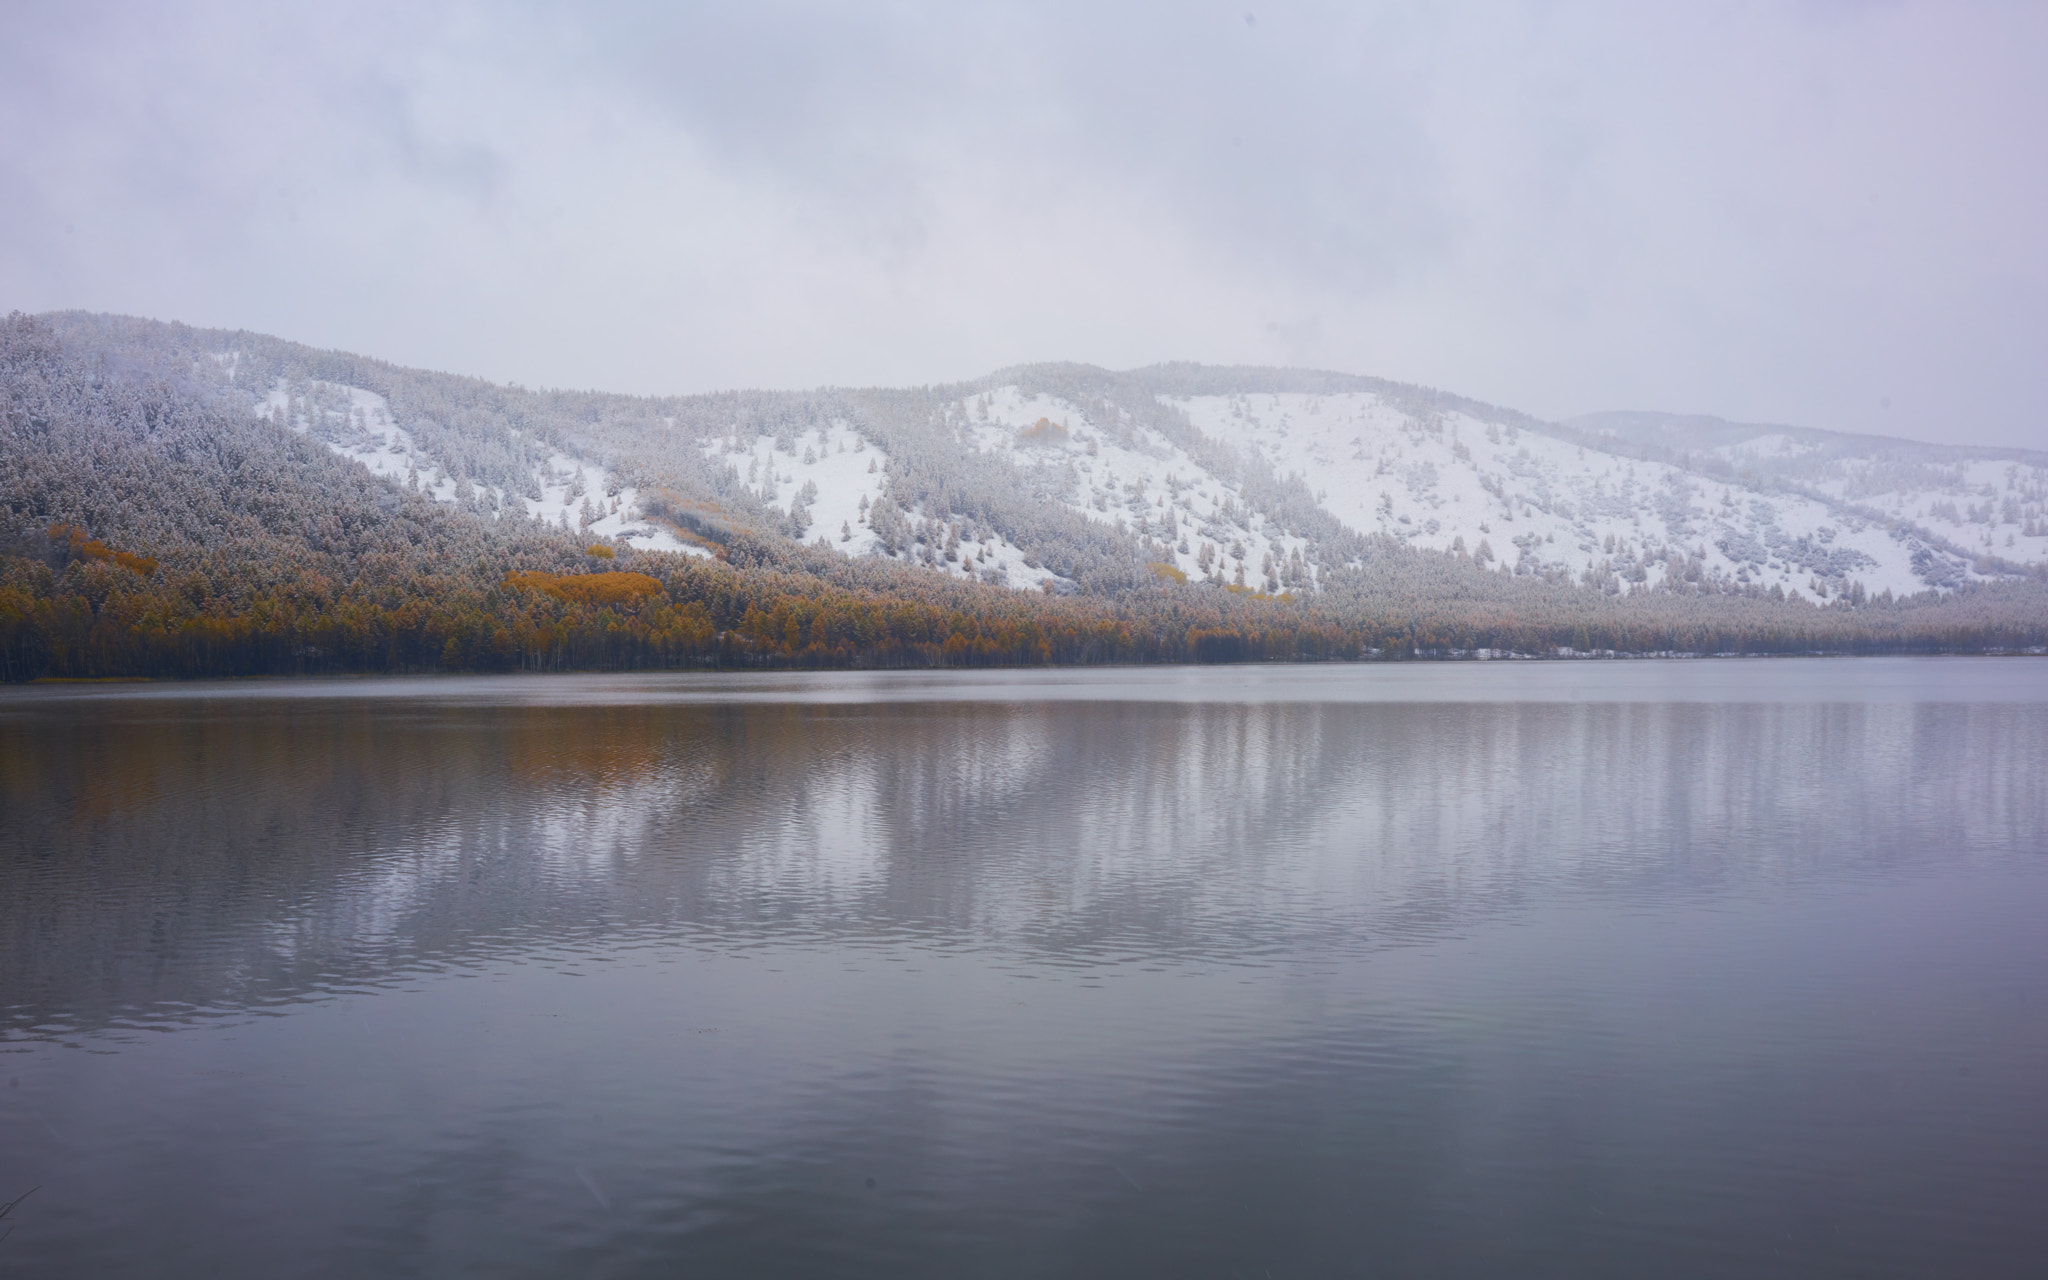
x,y
1827,214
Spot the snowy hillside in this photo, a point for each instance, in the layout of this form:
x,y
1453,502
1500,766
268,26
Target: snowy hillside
x,y
1982,505
1529,502
834,485
563,490
1068,478
1982,501
1518,500
1140,483
184,502
1514,498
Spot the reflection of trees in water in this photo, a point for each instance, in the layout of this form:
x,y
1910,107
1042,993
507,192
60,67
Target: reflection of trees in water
x,y
178,857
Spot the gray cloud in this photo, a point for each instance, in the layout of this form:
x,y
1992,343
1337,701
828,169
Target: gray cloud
x,y
1790,212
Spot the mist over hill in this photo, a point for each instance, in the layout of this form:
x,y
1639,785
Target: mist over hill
x,y
1195,512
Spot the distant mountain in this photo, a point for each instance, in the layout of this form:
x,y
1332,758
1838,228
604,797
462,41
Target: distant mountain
x,y
404,511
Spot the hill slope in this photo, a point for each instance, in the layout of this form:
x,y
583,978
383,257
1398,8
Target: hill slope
x,y
316,510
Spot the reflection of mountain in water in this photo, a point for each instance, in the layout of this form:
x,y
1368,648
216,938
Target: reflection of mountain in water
x,y
168,859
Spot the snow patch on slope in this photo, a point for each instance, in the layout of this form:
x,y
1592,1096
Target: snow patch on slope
x,y
1141,483
833,474
1986,506
837,478
357,424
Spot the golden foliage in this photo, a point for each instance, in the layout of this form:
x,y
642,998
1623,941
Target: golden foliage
x,y
594,589
1043,431
84,547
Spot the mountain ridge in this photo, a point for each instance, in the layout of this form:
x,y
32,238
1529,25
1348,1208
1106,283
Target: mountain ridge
x,y
1195,420
1641,425
1197,512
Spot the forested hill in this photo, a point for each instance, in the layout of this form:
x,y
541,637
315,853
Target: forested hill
x,y
179,502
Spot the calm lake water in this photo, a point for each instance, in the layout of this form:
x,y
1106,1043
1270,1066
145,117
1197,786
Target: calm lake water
x,y
1533,969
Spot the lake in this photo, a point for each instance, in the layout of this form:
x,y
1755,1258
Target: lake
x,y
1707,968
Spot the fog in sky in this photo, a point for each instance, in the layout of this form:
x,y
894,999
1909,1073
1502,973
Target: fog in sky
x,y
1828,214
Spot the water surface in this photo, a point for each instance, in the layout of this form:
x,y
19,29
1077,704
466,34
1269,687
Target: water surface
x,y
1510,969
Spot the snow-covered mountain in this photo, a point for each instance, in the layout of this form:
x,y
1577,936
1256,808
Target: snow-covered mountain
x,y
1066,477
1541,498
1502,491
1807,513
